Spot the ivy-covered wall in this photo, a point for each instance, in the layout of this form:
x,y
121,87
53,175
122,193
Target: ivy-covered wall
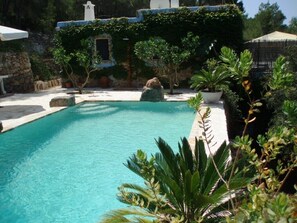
x,y
221,25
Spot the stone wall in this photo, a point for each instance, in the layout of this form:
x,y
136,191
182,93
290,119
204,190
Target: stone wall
x,y
44,85
18,67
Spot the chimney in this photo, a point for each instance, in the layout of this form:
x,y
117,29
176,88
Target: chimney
x,y
159,4
89,11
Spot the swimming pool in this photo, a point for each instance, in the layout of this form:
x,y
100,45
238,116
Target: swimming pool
x,y
67,166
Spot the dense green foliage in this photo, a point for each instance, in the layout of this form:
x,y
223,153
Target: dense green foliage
x,y
281,86
292,28
290,54
40,70
276,160
37,15
12,46
79,64
275,156
42,15
167,59
270,17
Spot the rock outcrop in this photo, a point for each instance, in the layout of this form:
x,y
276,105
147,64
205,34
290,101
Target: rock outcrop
x,y
152,91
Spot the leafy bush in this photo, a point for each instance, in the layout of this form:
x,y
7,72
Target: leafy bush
x,y
182,187
167,59
281,87
12,46
40,70
276,160
82,57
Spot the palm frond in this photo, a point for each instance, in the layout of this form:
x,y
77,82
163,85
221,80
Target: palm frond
x,y
169,157
139,190
211,176
200,155
186,154
126,216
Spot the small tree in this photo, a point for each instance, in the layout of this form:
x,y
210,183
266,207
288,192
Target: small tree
x,y
83,57
270,17
292,28
165,58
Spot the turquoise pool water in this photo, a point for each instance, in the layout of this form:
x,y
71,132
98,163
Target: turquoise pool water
x,y
67,167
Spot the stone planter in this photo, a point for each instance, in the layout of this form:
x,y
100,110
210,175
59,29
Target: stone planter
x,y
211,97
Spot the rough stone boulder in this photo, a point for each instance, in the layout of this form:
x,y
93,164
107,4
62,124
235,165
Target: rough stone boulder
x,y
63,101
152,91
153,83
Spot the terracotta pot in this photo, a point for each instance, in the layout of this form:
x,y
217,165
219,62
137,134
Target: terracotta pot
x,y
104,82
211,97
68,84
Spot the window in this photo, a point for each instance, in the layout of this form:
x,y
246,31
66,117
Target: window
x,y
102,48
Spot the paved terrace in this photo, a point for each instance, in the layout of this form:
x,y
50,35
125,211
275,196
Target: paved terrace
x,y
18,109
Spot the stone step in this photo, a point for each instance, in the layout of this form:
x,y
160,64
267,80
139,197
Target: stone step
x,y
62,101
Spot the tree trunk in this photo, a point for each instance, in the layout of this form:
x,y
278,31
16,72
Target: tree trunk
x,y
171,84
80,89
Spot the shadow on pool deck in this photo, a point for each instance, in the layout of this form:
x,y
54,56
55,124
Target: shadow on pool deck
x,y
18,111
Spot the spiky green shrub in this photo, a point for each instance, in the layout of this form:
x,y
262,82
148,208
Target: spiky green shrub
x,y
182,187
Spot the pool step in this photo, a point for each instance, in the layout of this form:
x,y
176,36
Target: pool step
x,y
92,109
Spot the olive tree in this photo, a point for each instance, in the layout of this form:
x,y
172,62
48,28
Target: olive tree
x,y
166,59
83,57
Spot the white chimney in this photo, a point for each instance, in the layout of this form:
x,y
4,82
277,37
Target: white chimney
x,y
174,3
89,11
159,4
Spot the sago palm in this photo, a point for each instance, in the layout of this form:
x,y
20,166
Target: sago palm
x,y
181,187
211,79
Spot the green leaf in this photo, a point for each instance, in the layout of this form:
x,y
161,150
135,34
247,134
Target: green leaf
x,y
195,182
169,157
200,155
186,154
119,215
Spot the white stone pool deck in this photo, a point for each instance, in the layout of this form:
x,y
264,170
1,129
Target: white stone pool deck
x,y
18,109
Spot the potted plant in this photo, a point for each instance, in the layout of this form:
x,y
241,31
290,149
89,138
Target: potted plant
x,y
104,82
210,81
68,84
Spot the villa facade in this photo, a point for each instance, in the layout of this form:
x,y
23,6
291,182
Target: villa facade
x,y
114,38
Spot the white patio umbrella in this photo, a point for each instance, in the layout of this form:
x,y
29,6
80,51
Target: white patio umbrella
x,y
7,33
275,37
